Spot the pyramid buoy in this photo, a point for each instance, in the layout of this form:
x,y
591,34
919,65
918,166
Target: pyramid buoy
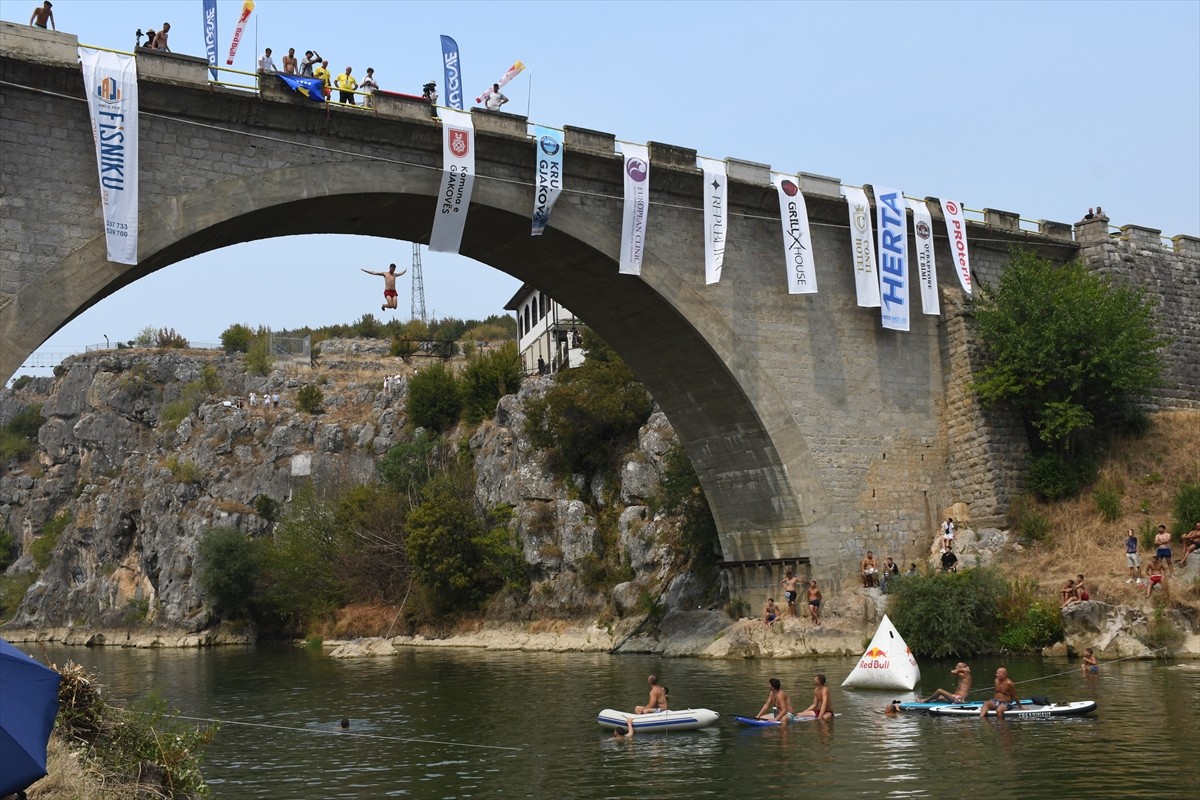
x,y
887,664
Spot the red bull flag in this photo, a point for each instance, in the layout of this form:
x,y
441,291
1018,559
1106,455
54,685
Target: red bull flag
x,y
887,663
110,83
513,72
247,8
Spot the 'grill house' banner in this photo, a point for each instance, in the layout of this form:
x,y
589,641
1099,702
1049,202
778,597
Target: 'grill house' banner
x,y
926,264
866,278
637,206
797,240
956,229
892,219
548,144
110,83
716,217
458,177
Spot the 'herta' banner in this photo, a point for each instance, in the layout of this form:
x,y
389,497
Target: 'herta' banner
x,y
891,215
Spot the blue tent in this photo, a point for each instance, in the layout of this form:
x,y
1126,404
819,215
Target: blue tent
x,y
28,706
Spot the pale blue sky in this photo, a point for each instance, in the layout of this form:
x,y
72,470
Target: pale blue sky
x,y
1058,107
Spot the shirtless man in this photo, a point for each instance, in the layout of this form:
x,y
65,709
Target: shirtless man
x,y
778,702
1191,543
1090,665
814,603
963,673
789,591
770,611
1005,696
289,62
869,570
389,285
160,41
1162,548
42,14
658,698
821,707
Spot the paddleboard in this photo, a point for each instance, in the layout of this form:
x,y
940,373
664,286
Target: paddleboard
x,y
915,706
1023,711
755,722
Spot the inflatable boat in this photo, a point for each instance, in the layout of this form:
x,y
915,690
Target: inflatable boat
x,y
1023,711
688,719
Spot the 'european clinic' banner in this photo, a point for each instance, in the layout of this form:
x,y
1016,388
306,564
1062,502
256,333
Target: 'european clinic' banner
x,y
866,277
892,221
548,144
453,71
239,29
110,84
926,263
716,217
210,35
797,240
458,177
956,229
637,206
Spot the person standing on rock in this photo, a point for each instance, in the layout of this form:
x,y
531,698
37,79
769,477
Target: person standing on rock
x,y
1162,548
658,698
1132,560
790,592
389,285
814,603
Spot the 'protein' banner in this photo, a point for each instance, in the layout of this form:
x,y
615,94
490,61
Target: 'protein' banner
x,y
956,229
458,177
239,29
549,149
926,263
110,83
716,217
210,35
797,240
454,94
892,220
862,245
637,206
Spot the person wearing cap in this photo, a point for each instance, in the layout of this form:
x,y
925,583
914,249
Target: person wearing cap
x,y
429,92
41,15
369,87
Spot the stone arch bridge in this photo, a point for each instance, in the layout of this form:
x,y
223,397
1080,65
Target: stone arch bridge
x,y
779,399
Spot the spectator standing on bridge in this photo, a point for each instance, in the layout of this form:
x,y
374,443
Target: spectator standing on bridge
x,y
346,85
369,86
266,63
322,71
160,41
311,59
429,92
290,65
41,15
495,99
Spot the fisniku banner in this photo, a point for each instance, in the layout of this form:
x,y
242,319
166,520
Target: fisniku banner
x,y
716,217
548,150
458,178
110,83
891,218
862,247
926,263
797,239
637,207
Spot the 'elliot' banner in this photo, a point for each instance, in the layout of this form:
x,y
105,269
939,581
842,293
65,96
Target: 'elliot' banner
x,y
956,229
892,221
458,178
716,217
110,83
637,206
797,239
866,278
926,263
549,150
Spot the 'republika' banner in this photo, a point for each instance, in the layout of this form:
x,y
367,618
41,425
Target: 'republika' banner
x,y
549,148
956,229
891,217
866,277
926,263
458,177
110,84
210,35
637,206
797,239
453,71
716,217
239,29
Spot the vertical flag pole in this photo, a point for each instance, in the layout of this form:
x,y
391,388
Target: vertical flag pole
x,y
529,95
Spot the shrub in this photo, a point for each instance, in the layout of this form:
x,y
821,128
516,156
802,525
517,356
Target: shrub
x,y
42,548
487,378
1161,636
403,348
311,399
408,466
266,507
433,398
8,550
230,568
1053,476
12,591
1028,519
18,436
167,337
948,613
237,338
184,470
1029,623
210,379
1185,508
1108,502
367,327
21,381
258,358
681,494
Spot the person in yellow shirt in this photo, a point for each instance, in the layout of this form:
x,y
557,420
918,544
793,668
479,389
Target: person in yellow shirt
x,y
346,86
322,72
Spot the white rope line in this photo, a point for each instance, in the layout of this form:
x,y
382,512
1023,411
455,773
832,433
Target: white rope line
x,y
1067,672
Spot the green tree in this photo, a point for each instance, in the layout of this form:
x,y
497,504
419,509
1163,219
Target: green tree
x,y
230,567
948,613
488,377
408,466
682,495
237,338
310,399
433,398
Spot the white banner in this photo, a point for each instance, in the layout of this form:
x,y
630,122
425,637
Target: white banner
x,y
110,83
548,145
458,178
862,245
956,229
716,217
238,30
637,205
891,219
926,263
797,240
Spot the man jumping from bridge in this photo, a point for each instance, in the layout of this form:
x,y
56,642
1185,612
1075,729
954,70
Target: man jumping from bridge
x,y
389,285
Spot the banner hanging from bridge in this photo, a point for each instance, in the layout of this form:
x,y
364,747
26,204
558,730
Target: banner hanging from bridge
x,y
956,229
453,71
210,35
458,178
239,29
926,263
637,207
891,216
862,247
797,239
110,84
716,217
549,148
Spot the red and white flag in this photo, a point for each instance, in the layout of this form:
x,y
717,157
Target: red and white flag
x,y
956,229
513,71
247,7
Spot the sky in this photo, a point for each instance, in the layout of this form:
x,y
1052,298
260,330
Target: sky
x,y
1044,109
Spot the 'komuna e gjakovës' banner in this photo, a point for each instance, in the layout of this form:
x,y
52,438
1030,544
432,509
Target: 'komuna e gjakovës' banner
x,y
238,30
458,177
797,239
891,216
548,144
210,35
637,207
956,229
926,263
716,217
453,70
110,83
862,246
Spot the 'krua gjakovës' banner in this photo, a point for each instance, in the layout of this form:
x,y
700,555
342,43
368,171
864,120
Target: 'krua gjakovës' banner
x,y
956,229
716,217
458,177
110,83
926,264
210,35
548,145
862,246
450,64
797,240
239,29
637,206
891,217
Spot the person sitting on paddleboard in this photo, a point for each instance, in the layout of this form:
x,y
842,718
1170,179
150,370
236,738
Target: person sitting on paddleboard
x,y
1005,697
821,707
658,698
778,702
963,673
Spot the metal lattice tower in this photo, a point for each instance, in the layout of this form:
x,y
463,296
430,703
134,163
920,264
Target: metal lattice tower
x,y
418,285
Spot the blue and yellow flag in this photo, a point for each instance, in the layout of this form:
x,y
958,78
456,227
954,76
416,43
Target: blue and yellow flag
x,y
312,88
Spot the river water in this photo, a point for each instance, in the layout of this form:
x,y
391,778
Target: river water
x,y
463,723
